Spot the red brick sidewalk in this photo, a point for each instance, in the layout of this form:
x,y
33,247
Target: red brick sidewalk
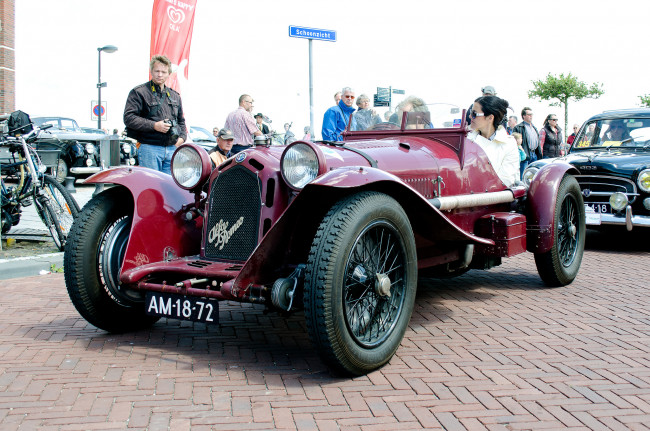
x,y
488,350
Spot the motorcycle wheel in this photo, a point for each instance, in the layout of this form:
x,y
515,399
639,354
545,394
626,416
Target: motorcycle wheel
x,y
92,262
50,220
62,203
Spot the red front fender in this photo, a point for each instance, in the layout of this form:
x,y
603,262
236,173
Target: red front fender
x,y
540,211
159,229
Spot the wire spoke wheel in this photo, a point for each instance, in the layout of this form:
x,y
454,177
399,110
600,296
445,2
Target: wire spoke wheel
x,y
567,235
374,284
360,282
559,266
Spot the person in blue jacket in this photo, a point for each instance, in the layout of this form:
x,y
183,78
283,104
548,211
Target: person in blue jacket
x,y
336,118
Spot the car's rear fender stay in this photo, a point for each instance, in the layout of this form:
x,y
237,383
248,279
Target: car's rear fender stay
x,y
540,208
295,229
159,230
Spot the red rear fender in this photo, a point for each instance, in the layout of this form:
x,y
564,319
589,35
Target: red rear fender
x,y
540,211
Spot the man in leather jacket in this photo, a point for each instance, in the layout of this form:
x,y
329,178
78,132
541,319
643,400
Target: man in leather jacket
x,y
153,115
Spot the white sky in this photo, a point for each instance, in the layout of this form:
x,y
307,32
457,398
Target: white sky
x,y
441,50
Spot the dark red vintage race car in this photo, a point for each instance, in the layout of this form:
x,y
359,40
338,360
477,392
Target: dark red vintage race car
x,y
341,230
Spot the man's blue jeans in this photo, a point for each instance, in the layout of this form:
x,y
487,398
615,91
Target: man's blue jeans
x,y
156,157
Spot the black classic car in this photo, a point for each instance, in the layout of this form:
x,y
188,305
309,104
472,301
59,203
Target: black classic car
x,y
79,150
612,153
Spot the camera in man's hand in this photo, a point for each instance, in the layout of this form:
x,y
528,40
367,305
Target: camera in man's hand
x,y
173,130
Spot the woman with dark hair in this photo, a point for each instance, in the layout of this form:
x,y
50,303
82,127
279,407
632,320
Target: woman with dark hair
x,y
550,137
488,132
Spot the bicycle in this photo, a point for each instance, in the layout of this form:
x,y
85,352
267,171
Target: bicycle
x,y
54,204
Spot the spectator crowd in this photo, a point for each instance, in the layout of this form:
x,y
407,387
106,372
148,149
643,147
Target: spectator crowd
x,y
153,115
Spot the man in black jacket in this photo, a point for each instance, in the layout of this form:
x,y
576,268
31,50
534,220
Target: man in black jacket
x,y
529,139
259,118
153,115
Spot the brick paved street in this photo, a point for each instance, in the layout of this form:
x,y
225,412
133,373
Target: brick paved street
x,y
488,350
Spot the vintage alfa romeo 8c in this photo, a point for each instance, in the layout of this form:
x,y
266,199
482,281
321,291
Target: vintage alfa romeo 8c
x,y
338,230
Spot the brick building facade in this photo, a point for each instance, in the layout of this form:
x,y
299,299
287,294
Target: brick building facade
x,y
7,56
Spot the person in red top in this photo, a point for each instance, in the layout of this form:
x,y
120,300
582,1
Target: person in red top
x,y
572,136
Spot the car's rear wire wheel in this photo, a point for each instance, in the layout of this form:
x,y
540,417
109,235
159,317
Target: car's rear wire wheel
x,y
559,266
360,282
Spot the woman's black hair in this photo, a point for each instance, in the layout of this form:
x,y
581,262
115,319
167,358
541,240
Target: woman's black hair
x,y
493,105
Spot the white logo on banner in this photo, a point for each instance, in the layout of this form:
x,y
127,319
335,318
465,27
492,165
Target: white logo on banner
x,y
176,16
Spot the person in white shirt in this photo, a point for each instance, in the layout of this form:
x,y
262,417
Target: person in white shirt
x,y
487,131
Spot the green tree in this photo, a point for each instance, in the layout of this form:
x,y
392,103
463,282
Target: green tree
x,y
645,100
562,88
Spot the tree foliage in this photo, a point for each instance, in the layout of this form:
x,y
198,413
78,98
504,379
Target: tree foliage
x,y
645,100
562,88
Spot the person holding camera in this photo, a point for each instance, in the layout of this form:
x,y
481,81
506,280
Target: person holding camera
x,y
153,116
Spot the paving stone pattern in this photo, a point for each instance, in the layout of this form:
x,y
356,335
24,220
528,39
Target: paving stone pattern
x,y
489,350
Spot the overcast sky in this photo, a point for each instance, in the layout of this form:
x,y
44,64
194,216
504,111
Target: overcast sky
x,y
443,51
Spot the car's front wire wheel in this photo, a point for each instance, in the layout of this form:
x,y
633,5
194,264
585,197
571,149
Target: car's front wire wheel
x,y
92,260
360,282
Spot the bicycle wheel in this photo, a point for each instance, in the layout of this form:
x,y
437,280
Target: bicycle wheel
x,y
62,202
48,216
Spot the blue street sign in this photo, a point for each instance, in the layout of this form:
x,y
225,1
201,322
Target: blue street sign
x,y
312,33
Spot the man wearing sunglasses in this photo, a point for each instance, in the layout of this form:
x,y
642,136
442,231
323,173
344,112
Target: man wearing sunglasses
x,y
336,118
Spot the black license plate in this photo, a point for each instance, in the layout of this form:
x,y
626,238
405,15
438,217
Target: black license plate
x,y
602,208
182,307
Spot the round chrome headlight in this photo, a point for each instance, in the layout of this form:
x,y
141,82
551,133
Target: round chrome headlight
x,y
644,180
126,148
90,148
618,201
529,173
187,167
299,165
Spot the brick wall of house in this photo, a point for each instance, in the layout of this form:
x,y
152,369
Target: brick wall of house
x,y
7,56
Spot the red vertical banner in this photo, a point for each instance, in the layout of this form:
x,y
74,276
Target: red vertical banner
x,y
172,22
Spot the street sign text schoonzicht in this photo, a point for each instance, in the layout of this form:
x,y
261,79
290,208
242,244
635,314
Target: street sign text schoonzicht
x,y
312,33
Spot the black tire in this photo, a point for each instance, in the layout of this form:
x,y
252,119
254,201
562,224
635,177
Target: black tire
x,y
92,261
51,222
62,203
559,266
353,325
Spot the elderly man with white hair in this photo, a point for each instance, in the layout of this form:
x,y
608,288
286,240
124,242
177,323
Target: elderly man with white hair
x,y
337,117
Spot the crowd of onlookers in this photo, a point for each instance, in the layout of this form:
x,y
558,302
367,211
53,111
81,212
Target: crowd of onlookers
x,y
153,115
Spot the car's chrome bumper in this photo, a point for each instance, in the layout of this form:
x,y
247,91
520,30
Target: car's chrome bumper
x,y
628,219
85,170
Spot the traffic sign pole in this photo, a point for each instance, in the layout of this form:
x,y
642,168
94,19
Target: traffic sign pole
x,y
311,34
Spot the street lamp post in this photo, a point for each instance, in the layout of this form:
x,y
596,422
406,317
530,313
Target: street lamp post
x,y
109,49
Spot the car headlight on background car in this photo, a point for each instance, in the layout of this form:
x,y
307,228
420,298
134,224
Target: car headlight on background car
x,y
126,148
190,166
618,201
644,180
299,165
90,148
529,173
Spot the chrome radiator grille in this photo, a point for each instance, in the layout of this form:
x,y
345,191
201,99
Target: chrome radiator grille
x,y
234,215
598,188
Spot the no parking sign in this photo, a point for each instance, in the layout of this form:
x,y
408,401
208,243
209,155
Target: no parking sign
x,y
96,111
